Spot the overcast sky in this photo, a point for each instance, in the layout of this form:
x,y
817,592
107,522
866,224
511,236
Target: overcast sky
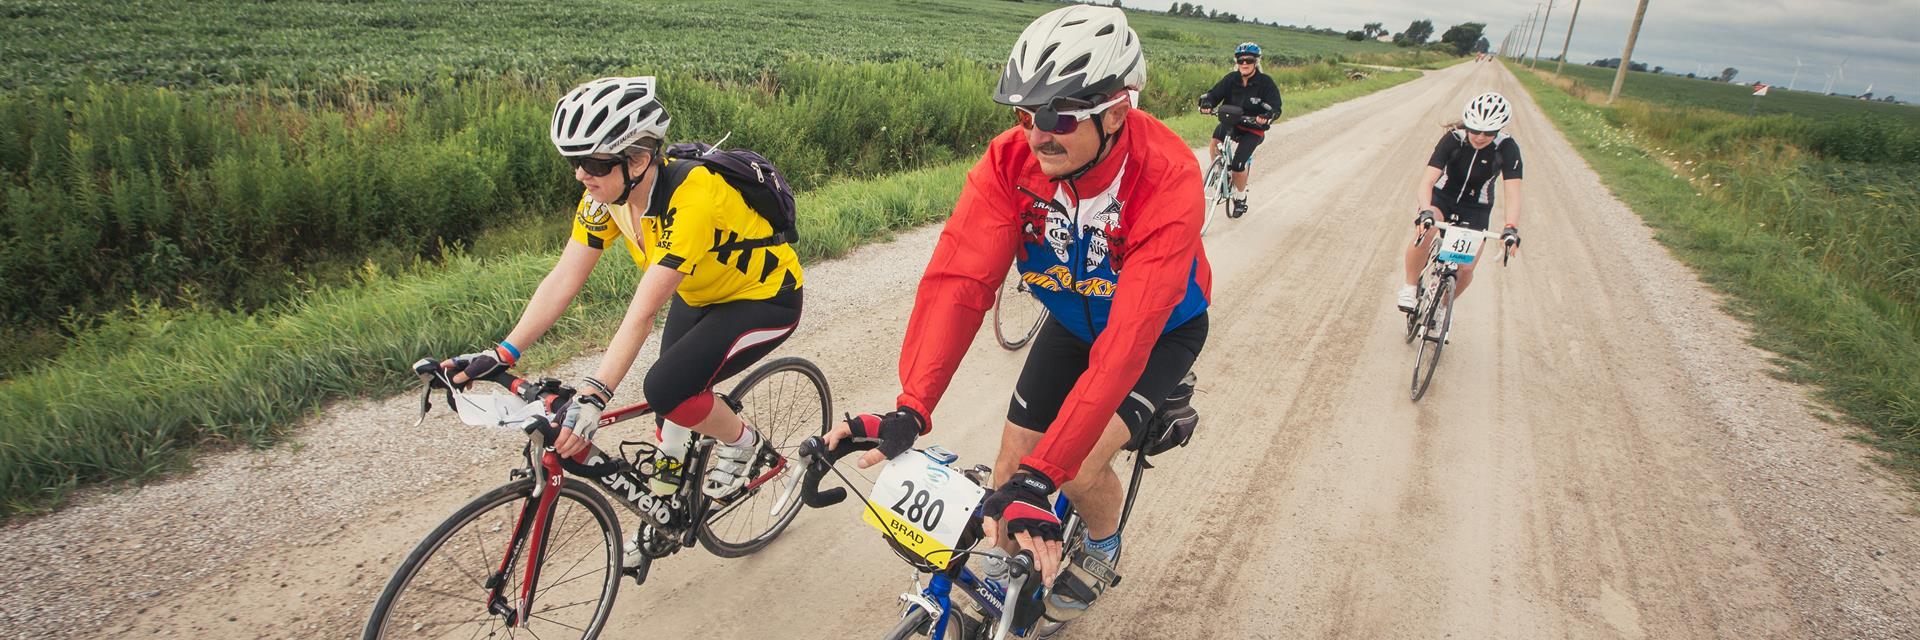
x,y
1758,37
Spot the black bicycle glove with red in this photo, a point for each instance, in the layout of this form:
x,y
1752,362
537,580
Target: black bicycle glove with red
x,y
893,432
1021,505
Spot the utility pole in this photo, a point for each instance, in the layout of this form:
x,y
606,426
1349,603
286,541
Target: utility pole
x,y
1626,57
1533,22
1544,21
1569,41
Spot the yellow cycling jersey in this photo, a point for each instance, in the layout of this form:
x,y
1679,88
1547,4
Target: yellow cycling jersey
x,y
700,230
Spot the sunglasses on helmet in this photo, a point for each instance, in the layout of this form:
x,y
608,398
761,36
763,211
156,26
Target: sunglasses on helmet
x,y
596,167
1064,115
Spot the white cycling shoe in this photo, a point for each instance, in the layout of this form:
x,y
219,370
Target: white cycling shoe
x,y
1409,297
729,472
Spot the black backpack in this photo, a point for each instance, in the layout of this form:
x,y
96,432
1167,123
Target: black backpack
x,y
754,176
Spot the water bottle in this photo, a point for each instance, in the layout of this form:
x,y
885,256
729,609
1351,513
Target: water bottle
x,y
667,466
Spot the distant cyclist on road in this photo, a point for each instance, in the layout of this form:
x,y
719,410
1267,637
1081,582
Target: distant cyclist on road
x,y
1093,201
1256,95
1458,184
734,286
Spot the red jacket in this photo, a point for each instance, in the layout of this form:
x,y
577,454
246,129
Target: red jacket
x,y
1148,224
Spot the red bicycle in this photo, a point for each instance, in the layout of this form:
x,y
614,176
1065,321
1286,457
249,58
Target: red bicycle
x,y
542,555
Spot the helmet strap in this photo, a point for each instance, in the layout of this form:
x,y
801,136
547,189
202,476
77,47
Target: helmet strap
x,y
631,181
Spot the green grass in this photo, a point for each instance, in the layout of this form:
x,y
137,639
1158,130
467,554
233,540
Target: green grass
x,y
144,388
1680,91
230,155
1821,256
298,42
133,398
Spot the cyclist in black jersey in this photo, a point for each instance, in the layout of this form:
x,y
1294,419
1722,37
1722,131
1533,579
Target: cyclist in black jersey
x,y
1458,184
1257,95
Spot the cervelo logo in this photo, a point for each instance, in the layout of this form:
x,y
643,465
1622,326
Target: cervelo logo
x,y
654,508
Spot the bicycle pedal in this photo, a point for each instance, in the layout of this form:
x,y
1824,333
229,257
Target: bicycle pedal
x,y
639,572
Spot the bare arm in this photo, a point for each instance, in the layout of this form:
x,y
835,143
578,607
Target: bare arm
x,y
654,290
555,292
1423,193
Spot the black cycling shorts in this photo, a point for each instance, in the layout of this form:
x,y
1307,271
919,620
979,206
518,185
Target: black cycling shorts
x,y
1057,358
702,346
1245,141
1470,215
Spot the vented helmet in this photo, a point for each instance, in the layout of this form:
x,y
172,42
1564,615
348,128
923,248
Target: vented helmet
x,y
607,116
1488,112
1079,55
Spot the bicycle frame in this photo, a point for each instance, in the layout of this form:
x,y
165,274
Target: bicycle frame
x,y
619,480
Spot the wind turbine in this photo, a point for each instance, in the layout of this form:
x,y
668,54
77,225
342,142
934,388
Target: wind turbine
x,y
1839,73
1796,73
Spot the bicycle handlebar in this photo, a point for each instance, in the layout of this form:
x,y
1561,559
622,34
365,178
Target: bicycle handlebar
x,y
550,392
1430,222
814,452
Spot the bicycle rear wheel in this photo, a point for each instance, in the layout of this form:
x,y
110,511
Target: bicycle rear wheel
x,y
441,590
1433,336
788,401
1017,315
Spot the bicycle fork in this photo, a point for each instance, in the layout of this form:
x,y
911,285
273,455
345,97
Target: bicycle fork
x,y
530,532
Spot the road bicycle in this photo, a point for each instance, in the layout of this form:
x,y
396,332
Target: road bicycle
x,y
1219,179
1017,315
1432,317
928,509
542,556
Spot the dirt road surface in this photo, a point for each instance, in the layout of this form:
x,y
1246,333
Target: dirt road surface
x,y
1604,456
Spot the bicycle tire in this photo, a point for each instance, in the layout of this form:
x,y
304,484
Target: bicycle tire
x,y
1010,330
1441,313
916,622
381,622
1214,189
785,422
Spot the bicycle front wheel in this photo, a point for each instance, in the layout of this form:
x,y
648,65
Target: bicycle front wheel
x,y
788,401
1017,315
441,591
1433,337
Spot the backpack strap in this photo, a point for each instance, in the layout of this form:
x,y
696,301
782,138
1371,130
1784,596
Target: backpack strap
x,y
675,173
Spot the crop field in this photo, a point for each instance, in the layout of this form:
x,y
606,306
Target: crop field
x,y
1678,91
320,42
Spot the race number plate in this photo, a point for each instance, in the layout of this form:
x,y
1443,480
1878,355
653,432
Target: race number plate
x,y
1460,247
923,505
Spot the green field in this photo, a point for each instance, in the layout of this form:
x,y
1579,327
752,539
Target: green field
x,y
320,42
1680,91
1820,251
327,190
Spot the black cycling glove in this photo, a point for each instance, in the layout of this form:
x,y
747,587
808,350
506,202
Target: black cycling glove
x,y
893,432
1021,505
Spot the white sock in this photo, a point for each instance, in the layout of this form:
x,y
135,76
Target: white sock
x,y
747,438
1240,195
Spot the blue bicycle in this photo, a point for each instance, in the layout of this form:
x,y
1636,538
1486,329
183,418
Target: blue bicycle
x,y
929,511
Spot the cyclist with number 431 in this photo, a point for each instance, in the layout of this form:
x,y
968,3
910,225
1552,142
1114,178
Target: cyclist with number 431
x,y
1457,186
1092,200
733,282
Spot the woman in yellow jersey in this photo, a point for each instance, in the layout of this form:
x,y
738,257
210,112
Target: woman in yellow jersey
x,y
733,300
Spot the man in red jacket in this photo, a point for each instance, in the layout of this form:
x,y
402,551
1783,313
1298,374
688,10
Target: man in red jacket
x,y
1098,204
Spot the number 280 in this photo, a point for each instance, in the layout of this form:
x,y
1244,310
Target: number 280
x,y
919,506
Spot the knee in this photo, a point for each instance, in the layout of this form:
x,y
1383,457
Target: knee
x,y
674,399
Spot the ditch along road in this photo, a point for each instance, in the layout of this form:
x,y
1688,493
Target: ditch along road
x,y
1604,455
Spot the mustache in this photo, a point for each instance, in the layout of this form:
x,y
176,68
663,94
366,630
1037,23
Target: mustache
x,y
1051,147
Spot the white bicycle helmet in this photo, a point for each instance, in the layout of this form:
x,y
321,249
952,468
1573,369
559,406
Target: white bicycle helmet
x,y
608,116
1487,112
1078,52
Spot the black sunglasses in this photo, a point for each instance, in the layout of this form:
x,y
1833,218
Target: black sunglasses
x,y
1483,133
1248,60
596,167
